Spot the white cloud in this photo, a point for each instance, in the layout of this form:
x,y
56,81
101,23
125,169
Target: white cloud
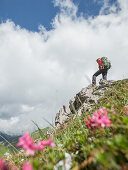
x,y
41,71
67,7
8,124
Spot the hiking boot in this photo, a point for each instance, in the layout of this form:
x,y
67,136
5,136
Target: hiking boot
x,y
93,83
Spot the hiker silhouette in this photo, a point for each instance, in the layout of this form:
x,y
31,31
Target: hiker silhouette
x,y
104,65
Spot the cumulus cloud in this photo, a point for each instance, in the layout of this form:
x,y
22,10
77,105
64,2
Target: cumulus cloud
x,y
41,71
67,7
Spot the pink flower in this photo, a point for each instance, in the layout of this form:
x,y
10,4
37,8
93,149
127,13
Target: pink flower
x,y
5,166
102,111
126,106
90,119
27,166
14,168
88,124
27,143
39,146
48,142
1,162
99,118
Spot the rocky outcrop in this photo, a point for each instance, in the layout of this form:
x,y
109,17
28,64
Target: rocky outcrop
x,y
64,114
83,101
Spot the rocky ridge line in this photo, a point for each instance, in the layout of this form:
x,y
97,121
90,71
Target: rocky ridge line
x,y
83,101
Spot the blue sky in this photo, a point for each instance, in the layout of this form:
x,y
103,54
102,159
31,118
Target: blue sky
x,y
30,14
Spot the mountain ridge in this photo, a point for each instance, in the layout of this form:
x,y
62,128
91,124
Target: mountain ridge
x,y
6,139
83,101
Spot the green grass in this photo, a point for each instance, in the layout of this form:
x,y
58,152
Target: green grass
x,y
99,148
3,149
40,133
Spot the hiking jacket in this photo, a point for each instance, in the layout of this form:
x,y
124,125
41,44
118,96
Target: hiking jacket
x,y
100,63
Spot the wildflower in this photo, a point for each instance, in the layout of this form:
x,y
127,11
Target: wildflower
x,y
1,162
27,143
102,111
89,117
27,166
39,146
48,142
14,168
61,125
99,118
88,124
5,166
126,106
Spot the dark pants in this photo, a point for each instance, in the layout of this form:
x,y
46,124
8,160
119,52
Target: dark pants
x,y
101,71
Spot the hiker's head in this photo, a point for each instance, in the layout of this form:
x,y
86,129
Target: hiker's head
x,y
97,60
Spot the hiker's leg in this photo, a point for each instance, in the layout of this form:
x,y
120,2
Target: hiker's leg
x,y
104,74
95,75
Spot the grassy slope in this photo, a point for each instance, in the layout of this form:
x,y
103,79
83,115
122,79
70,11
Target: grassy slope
x,y
40,133
3,149
99,148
